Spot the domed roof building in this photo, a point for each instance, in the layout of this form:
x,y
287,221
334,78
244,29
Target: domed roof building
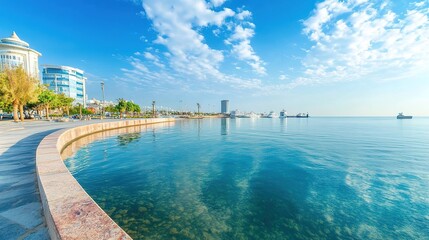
x,y
15,52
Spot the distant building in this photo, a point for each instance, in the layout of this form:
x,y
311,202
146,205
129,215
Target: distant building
x,y
67,80
224,107
15,52
98,104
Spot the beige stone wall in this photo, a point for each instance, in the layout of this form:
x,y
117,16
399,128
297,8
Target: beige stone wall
x,y
69,211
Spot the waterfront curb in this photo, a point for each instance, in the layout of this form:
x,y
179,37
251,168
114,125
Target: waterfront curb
x,y
70,213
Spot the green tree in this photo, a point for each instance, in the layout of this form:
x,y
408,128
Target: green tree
x,y
130,107
110,109
121,106
79,109
64,102
4,100
47,98
18,88
137,108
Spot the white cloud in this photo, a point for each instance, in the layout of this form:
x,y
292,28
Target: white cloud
x,y
324,12
176,24
241,33
185,54
217,3
354,40
242,48
154,59
244,14
283,77
419,4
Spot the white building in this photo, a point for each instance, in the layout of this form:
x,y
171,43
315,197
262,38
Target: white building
x,y
67,80
15,52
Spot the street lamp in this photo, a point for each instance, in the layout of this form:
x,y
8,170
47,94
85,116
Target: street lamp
x,y
198,106
56,84
102,105
153,109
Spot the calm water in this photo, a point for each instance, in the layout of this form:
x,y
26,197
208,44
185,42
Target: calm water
x,y
316,178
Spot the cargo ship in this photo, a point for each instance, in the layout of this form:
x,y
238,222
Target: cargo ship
x,y
402,116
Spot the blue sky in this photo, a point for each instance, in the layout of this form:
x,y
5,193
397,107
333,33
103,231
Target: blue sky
x,y
331,57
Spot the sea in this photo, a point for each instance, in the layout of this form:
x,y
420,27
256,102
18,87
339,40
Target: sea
x,y
314,178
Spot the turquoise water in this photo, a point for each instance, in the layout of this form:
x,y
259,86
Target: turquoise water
x,y
316,178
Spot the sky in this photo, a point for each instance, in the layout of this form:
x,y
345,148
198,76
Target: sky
x,y
327,57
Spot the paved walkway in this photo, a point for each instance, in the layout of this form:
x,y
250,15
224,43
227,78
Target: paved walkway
x,y
21,215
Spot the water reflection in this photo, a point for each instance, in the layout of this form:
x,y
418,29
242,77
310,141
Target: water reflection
x,y
125,136
283,125
257,184
224,126
125,139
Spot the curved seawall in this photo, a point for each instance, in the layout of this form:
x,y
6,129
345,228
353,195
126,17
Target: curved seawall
x,y
69,211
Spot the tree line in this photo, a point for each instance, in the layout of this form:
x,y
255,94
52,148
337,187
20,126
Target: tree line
x,y
124,107
18,90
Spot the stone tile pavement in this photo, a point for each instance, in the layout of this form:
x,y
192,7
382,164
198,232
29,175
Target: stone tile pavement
x,y
21,214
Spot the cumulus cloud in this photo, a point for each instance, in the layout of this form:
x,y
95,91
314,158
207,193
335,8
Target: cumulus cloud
x,y
243,14
357,39
217,3
241,43
185,52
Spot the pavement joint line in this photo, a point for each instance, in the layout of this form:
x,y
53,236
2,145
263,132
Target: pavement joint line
x,y
31,231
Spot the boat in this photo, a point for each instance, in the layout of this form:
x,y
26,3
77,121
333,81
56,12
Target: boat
x,y
272,114
238,114
283,114
254,115
299,115
402,116
302,115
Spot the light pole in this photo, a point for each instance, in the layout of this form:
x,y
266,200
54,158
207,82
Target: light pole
x,y
102,104
56,85
198,106
153,109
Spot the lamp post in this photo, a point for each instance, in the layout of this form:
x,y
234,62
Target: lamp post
x,y
153,109
102,104
198,106
56,84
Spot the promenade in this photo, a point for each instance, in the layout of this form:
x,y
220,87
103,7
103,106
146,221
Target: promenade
x,y
21,214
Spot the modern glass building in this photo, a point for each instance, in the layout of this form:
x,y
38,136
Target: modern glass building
x,y
15,52
67,80
224,106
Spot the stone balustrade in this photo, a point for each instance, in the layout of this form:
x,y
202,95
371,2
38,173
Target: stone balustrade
x,y
69,211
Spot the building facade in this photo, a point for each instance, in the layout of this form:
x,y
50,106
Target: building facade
x,y
224,106
67,80
15,52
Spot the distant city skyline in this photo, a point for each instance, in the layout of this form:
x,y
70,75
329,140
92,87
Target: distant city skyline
x,y
331,57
